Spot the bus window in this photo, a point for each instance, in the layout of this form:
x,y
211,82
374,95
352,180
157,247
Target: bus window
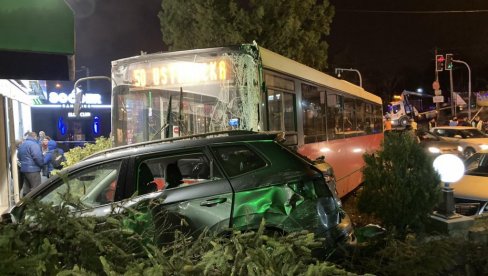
x,y
361,117
281,103
350,124
281,111
314,118
334,116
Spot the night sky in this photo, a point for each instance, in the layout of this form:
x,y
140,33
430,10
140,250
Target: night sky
x,y
392,43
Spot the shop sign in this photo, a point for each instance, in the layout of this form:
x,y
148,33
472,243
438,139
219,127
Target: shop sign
x,y
63,98
82,114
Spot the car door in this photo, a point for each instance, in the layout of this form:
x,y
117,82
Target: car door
x,y
190,187
90,190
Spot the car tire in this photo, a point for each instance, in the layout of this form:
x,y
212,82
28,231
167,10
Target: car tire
x,y
468,152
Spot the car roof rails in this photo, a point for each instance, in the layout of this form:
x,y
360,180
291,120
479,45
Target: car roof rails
x,y
173,139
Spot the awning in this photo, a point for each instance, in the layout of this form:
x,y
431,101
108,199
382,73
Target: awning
x,y
37,40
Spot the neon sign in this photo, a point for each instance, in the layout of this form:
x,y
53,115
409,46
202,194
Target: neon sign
x,y
63,98
179,73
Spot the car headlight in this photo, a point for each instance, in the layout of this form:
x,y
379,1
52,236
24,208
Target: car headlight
x,y
460,148
484,147
434,150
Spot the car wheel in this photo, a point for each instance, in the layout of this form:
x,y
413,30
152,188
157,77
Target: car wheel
x,y
468,152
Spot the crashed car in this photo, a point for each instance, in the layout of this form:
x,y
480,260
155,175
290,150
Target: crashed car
x,y
215,181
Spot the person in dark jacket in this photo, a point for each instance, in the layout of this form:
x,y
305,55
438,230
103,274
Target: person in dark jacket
x,y
51,147
31,162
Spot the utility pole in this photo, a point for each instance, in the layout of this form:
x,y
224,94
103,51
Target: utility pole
x,y
469,86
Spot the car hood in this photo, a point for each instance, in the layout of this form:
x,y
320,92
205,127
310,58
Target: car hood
x,y
440,144
478,141
471,187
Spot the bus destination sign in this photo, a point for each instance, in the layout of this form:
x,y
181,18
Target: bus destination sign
x,y
178,73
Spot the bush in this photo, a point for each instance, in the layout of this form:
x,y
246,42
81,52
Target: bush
x,y
77,154
54,242
401,187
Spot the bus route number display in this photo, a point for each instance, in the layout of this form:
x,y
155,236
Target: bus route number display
x,y
180,73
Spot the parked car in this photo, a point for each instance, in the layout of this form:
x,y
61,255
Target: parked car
x,y
471,191
435,145
231,181
471,140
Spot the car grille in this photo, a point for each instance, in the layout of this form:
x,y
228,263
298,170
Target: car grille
x,y
467,207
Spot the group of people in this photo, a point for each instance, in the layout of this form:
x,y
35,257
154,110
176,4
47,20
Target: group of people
x,y
477,122
38,157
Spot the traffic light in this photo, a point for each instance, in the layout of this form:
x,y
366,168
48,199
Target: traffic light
x,y
448,62
439,63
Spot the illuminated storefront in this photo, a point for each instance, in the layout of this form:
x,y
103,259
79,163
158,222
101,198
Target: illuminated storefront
x,y
56,118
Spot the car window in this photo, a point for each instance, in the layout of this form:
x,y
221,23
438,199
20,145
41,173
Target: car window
x,y
427,136
472,133
477,164
92,186
238,159
440,132
175,170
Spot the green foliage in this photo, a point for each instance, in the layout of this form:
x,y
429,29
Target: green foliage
x,y
294,28
52,241
77,154
401,186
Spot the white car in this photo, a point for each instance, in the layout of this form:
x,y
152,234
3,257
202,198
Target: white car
x,y
471,191
470,139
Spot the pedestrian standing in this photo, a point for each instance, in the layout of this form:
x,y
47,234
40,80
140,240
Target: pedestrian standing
x,y
432,124
31,162
454,121
462,122
414,125
478,123
387,124
53,158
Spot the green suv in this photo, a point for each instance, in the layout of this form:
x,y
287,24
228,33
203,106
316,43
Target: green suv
x,y
215,181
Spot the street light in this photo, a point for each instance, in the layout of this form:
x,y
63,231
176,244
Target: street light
x,y
469,86
338,72
451,168
87,74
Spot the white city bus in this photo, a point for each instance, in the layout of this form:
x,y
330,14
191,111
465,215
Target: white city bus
x,y
247,87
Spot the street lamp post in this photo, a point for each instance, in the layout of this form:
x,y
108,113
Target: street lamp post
x,y
450,168
87,74
469,86
338,72
79,93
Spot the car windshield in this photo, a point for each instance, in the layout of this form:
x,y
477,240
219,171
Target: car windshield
x,y
477,164
470,133
427,136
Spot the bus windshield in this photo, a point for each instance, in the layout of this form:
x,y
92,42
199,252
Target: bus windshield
x,y
166,95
